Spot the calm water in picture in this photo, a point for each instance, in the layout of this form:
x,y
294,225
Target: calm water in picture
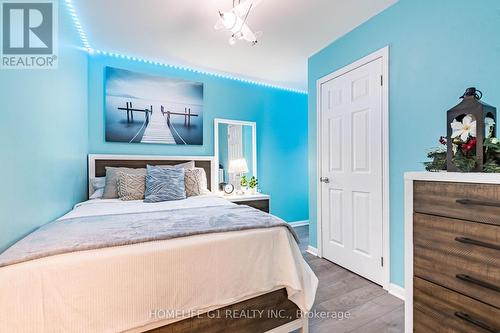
x,y
119,130
175,109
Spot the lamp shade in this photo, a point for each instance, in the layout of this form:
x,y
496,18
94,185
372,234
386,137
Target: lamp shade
x,y
238,166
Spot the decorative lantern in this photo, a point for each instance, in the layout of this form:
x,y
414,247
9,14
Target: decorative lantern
x,y
469,124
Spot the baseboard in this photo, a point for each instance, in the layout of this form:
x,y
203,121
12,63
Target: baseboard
x,y
312,250
397,291
299,223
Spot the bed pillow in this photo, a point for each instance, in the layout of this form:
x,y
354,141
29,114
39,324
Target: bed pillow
x,y
97,187
111,188
130,186
195,181
98,182
164,184
97,194
185,165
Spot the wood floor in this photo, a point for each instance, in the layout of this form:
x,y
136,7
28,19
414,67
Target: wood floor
x,y
370,307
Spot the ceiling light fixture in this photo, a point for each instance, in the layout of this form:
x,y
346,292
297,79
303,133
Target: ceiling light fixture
x,y
235,20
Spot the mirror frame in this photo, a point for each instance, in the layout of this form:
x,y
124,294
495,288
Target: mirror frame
x,y
218,121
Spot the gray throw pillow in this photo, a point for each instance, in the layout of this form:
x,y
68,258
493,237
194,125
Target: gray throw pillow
x,y
164,184
185,165
111,188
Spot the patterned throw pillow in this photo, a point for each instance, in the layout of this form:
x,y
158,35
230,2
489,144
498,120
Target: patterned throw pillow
x,y
164,184
195,181
130,186
111,188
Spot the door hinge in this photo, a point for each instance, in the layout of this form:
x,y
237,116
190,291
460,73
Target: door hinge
x,y
382,261
381,80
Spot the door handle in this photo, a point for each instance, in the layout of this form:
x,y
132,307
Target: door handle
x,y
484,284
324,180
467,240
465,201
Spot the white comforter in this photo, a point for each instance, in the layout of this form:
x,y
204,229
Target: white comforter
x,y
138,287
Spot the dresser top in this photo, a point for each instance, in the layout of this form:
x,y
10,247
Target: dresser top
x,y
458,177
244,197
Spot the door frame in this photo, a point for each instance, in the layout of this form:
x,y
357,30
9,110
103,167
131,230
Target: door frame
x,y
384,55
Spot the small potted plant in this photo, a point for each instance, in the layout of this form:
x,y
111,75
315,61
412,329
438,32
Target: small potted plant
x,y
244,184
252,184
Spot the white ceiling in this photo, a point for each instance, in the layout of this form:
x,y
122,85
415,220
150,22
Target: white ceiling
x,y
181,32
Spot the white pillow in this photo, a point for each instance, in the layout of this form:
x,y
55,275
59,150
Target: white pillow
x,y
96,184
97,194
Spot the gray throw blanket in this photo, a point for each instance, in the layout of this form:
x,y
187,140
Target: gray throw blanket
x,y
95,232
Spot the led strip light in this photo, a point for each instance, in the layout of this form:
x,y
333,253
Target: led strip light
x,y
90,50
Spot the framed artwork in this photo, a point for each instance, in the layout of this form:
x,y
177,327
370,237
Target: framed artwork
x,y
142,108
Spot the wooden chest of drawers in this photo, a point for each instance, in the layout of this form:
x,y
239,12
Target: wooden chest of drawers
x,y
452,276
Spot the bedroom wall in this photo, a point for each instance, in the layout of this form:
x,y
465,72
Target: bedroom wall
x,y
281,118
44,138
437,49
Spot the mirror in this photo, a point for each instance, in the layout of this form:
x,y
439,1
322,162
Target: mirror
x,y
235,152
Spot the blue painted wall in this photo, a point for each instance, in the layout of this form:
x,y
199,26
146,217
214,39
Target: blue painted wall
x,y
281,118
437,49
44,139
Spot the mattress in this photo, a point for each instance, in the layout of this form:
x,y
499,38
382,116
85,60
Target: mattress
x,y
142,286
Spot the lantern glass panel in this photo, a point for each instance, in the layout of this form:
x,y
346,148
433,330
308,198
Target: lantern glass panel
x,y
489,125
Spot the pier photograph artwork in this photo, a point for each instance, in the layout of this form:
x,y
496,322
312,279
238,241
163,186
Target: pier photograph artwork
x,y
142,108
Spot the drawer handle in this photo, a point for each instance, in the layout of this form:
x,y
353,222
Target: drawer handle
x,y
465,201
481,283
468,318
467,240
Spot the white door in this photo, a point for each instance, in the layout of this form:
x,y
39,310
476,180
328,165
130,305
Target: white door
x,y
351,170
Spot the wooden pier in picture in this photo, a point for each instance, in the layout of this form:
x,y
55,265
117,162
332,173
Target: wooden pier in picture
x,y
130,112
187,115
158,131
158,127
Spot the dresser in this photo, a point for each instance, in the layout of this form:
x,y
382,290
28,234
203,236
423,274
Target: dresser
x,y
452,252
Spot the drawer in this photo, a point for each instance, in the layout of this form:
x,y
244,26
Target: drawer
x,y
262,205
459,255
465,201
437,309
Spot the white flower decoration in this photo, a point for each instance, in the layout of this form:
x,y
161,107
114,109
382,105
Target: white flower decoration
x,y
464,129
489,123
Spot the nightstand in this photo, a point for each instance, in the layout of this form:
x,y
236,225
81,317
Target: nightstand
x,y
258,201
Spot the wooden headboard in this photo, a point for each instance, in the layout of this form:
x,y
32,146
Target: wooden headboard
x,y
98,164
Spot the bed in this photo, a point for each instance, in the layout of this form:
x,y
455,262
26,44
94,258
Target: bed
x,y
252,280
